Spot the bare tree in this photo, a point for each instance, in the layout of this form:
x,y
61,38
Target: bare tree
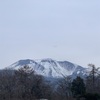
x,y
64,88
92,79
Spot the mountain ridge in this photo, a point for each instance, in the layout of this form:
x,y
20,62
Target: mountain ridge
x,y
51,68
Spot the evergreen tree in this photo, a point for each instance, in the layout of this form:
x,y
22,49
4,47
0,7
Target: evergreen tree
x,y
78,87
92,76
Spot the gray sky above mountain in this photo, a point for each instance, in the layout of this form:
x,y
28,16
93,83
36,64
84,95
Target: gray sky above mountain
x,y
58,29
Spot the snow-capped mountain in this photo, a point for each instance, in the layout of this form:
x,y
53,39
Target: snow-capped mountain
x,y
51,68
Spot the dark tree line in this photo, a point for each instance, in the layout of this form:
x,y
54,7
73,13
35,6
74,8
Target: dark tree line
x,y
24,84
81,89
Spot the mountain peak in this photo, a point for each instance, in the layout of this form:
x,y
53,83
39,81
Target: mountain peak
x,y
47,59
48,67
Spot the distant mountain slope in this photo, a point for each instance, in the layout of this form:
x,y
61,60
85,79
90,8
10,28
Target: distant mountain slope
x,y
51,68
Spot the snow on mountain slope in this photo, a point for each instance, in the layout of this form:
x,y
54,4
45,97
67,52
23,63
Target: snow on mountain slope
x,y
50,68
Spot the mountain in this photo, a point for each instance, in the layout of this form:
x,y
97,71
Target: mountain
x,y
51,68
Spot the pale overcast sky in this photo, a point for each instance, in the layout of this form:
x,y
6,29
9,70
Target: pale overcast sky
x,y
59,29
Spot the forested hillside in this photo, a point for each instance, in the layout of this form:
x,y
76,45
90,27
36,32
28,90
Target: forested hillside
x,y
23,84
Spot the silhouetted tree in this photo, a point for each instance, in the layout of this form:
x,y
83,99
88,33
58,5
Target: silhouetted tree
x,y
64,88
93,79
78,88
